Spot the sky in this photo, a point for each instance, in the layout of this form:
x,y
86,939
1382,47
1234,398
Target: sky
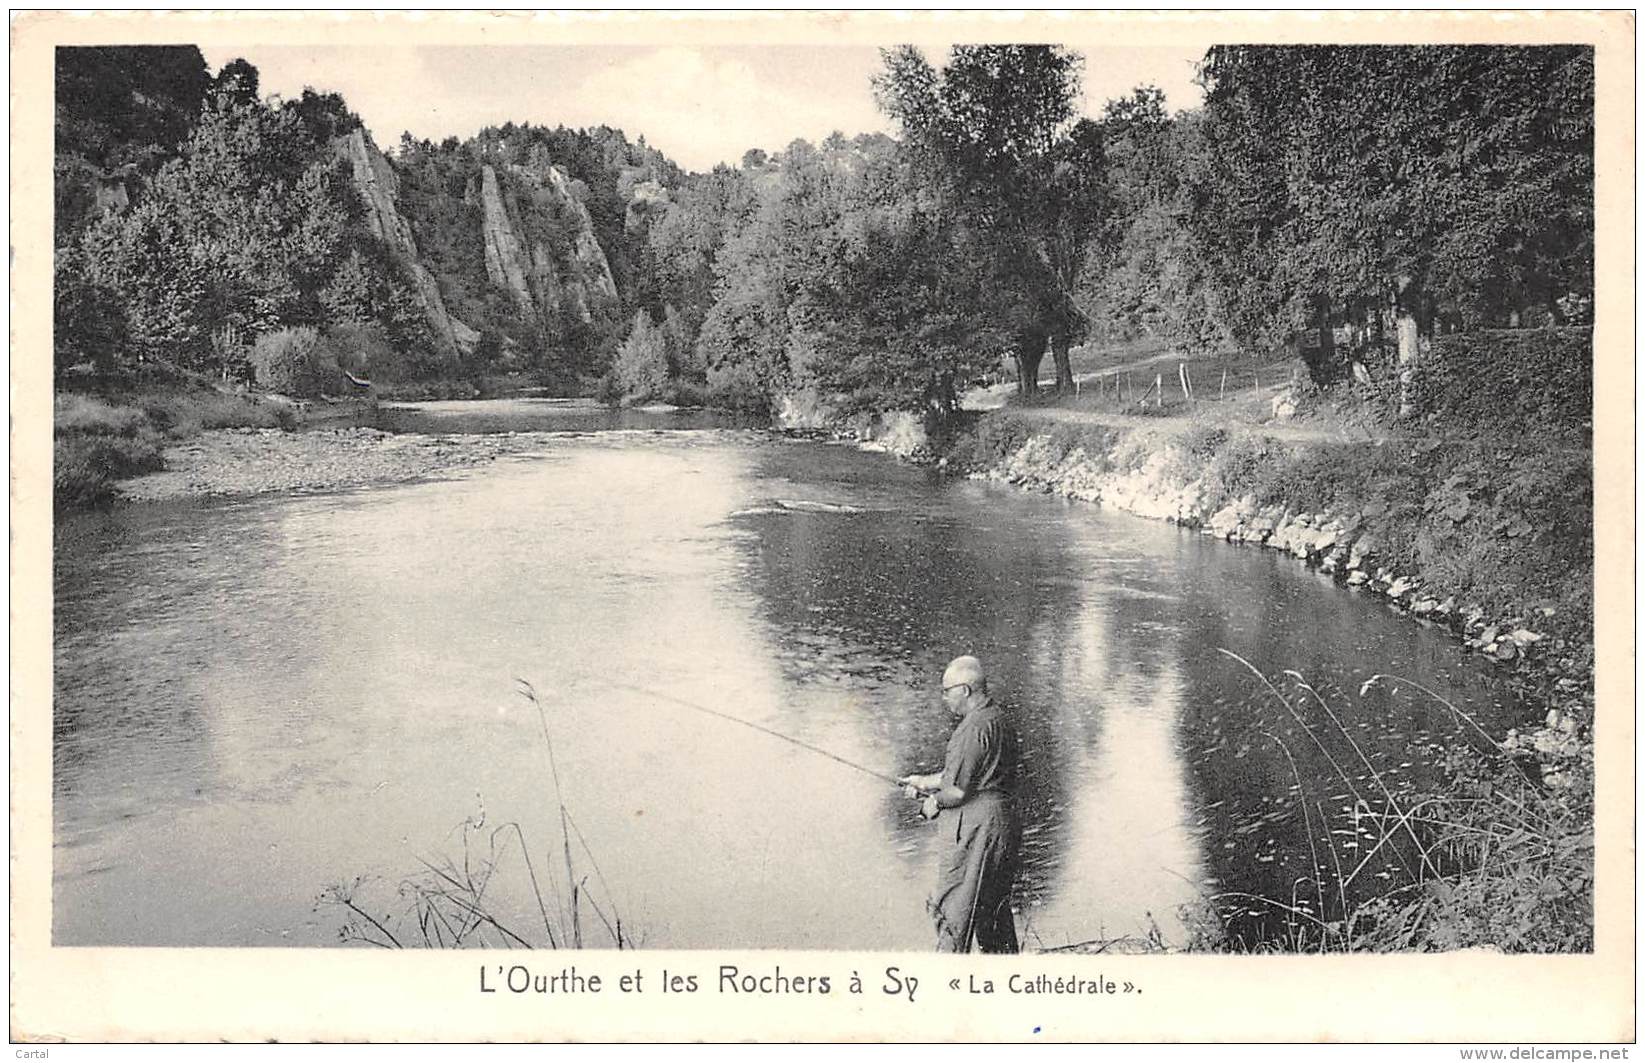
x,y
698,105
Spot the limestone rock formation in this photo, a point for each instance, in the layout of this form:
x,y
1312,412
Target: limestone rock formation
x,y
543,279
378,186
646,199
594,284
506,260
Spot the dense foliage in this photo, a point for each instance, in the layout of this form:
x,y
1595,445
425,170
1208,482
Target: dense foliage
x,y
253,227
121,113
1453,184
1347,201
997,146
1509,379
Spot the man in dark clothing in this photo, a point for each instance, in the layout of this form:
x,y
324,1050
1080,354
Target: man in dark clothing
x,y
973,895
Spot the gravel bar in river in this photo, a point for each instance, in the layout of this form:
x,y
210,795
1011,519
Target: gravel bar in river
x,y
250,461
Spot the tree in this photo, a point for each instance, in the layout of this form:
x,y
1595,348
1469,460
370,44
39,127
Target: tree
x,y
748,339
1144,270
641,365
1445,183
685,243
294,361
87,325
121,112
239,81
992,132
256,225
896,326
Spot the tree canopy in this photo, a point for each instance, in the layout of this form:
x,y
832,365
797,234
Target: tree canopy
x,y
1319,188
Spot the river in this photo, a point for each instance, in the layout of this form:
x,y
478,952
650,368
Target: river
x,y
262,699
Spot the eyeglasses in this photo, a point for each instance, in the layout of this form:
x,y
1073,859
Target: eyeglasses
x,y
956,686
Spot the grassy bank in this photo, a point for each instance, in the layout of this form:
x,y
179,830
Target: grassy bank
x,y
1488,534
99,440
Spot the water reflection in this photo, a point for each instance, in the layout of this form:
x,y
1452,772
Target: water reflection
x,y
257,699
484,416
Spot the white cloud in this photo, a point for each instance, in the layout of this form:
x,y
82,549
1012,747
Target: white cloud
x,y
701,109
698,106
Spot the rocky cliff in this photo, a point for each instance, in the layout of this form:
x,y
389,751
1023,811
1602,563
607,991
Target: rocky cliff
x,y
540,245
519,249
378,186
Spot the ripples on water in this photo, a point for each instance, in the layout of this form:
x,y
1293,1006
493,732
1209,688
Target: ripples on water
x,y
259,699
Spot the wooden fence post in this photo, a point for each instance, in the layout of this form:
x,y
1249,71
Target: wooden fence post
x,y
1159,390
1222,388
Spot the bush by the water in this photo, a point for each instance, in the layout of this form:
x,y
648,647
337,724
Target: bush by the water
x,y
363,349
641,366
97,442
74,414
295,361
181,414
84,468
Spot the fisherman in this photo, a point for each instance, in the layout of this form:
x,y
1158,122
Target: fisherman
x,y
973,895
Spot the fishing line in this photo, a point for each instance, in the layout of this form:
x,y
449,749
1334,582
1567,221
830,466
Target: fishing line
x,y
683,703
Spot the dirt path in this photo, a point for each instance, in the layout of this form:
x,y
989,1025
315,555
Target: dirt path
x,y
1249,408
1201,418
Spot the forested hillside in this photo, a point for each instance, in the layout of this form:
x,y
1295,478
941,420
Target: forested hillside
x,y
1392,247
206,229
1346,204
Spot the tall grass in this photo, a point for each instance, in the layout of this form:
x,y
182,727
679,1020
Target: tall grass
x,y
97,443
1495,860
446,905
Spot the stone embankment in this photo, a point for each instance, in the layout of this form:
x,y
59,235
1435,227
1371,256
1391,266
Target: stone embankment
x,y
250,461
1150,475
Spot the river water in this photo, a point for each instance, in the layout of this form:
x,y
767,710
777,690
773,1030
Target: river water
x,y
260,700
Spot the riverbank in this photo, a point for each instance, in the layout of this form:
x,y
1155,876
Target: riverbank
x,y
251,461
101,437
1488,537
205,442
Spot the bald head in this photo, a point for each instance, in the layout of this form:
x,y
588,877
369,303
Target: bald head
x,y
967,670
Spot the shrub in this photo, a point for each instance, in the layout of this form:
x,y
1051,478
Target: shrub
x,y
184,414
1238,466
685,393
608,391
84,415
77,479
293,361
362,349
1204,441
1508,378
990,441
641,365
737,386
84,467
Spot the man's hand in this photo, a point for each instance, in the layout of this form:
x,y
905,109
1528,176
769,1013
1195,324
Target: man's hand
x,y
929,807
914,786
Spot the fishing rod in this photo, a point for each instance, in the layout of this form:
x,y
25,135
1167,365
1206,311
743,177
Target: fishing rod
x,y
683,703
